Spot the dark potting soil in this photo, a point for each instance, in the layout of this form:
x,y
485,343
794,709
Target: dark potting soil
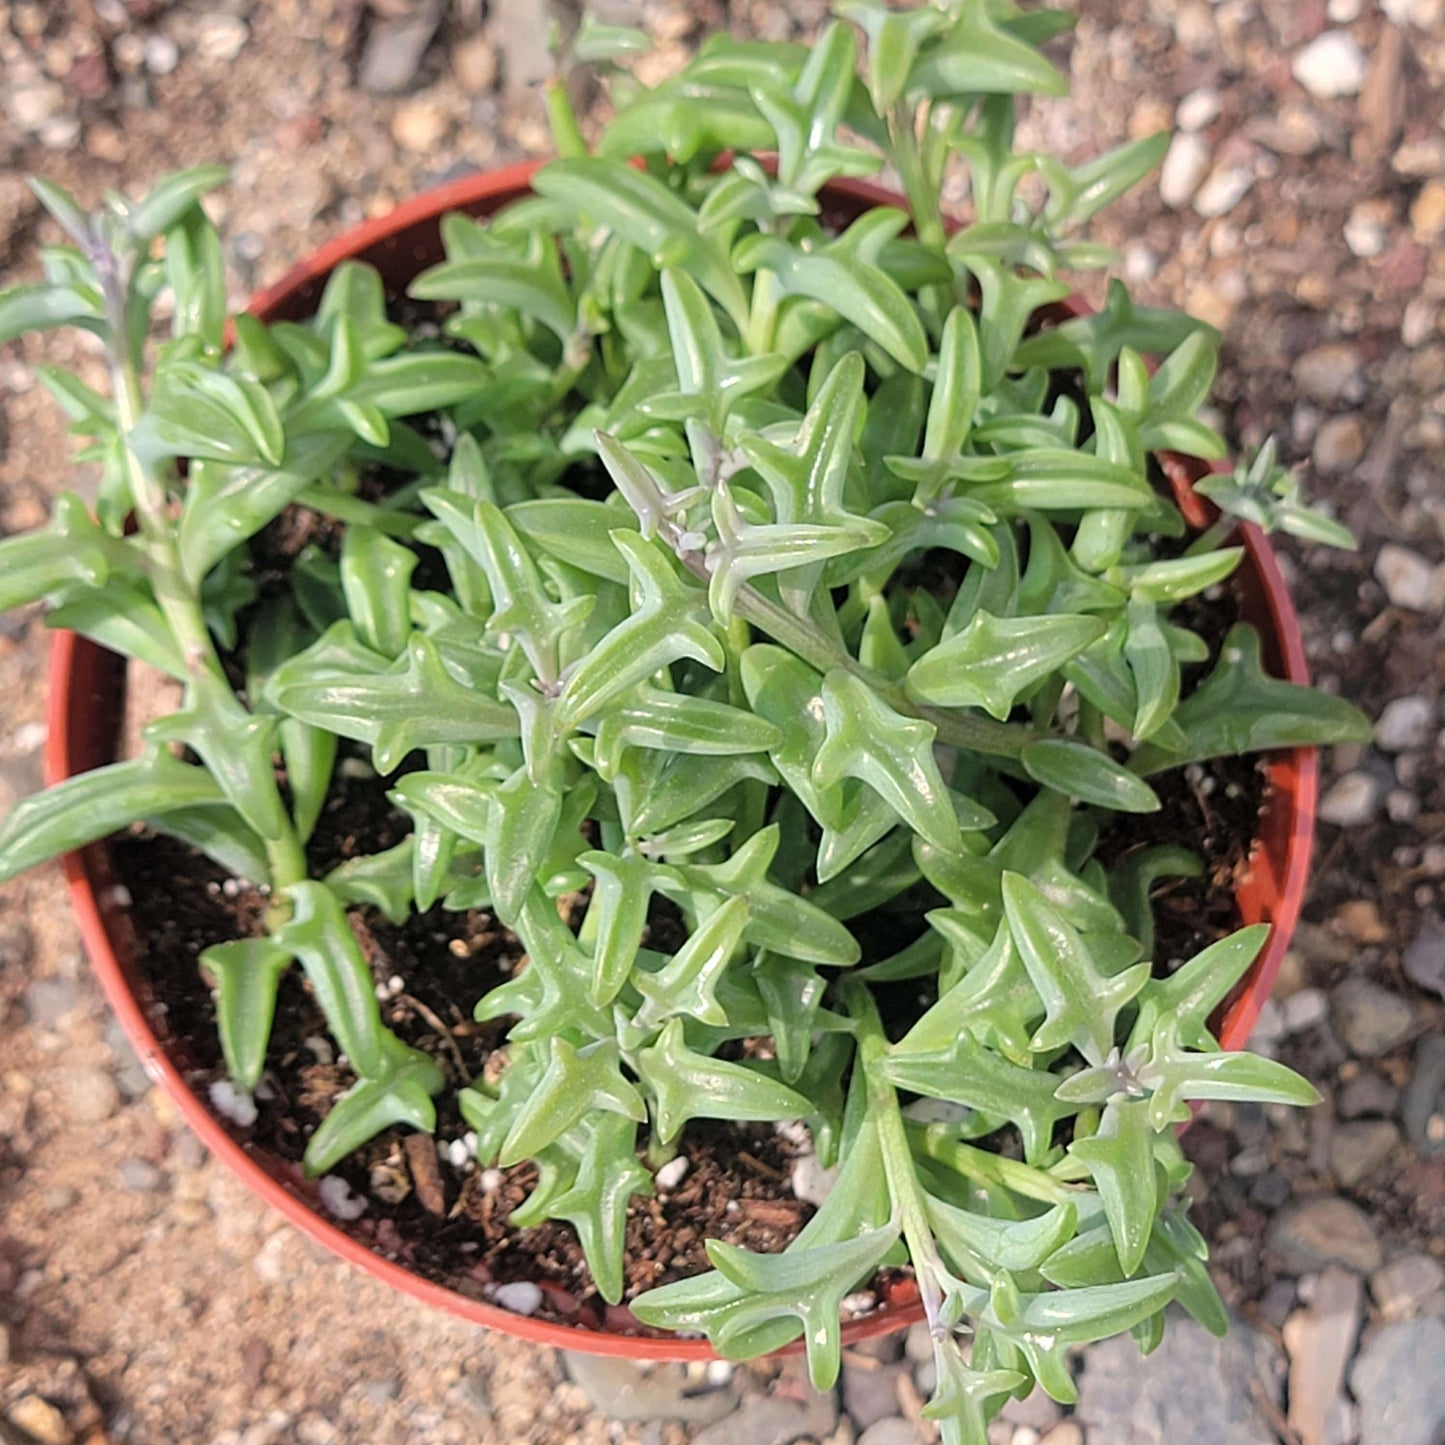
x,y
447,1223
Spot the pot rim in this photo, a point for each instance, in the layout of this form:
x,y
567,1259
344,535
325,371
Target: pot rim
x,y
76,664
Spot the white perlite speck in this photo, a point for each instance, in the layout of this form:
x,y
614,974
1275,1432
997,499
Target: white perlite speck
x,y
233,1103
338,1199
811,1182
1330,66
491,1180
673,1172
522,1297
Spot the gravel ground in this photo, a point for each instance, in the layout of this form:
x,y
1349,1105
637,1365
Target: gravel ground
x,y
145,1298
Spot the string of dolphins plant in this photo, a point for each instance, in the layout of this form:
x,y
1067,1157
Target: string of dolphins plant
x,y
798,583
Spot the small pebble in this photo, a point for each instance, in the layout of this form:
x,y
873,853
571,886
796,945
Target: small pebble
x,y
1351,801
1339,444
221,37
87,1095
521,1298
1184,165
1409,580
1403,1285
161,54
1330,374
1226,187
1305,1009
1197,110
1330,66
141,1177
1406,722
40,1420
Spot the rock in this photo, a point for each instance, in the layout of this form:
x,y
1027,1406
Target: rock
x,y
1420,321
1193,1387
1427,212
1421,13
893,1431
338,1200
521,1297
59,133
1400,1385
162,55
1423,961
1351,800
1226,187
870,1395
1367,1094
1367,230
1323,1230
1066,1432
419,125
1425,1093
1330,66
32,104
1305,1009
313,1429
918,1343
1407,722
48,1000
141,1177
1339,443
1371,1020
221,38
1357,1150
40,1420
87,1095
1331,373
776,1420
395,45
1036,1411
1402,1286
1184,165
1320,1340
1409,580
474,63
1197,110
1359,919
622,1390
1420,156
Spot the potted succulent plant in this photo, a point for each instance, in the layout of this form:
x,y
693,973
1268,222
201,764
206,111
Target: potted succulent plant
x,y
742,635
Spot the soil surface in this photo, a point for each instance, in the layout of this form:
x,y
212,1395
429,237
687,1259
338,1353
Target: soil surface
x,y
145,1297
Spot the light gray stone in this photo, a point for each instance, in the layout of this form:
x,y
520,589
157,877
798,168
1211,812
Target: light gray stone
x,y
1402,1286
87,1095
1424,1095
1366,1095
870,1395
140,1176
1323,1230
1225,188
1197,110
621,1390
1193,1387
1409,580
1357,1150
1406,722
776,1420
1351,800
1399,1383
1371,1020
893,1431
1331,373
1423,962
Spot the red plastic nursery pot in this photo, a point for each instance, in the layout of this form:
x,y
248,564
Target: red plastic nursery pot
x,y
86,704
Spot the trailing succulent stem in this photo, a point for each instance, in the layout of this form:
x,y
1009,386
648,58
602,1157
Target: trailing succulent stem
x,y
743,565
